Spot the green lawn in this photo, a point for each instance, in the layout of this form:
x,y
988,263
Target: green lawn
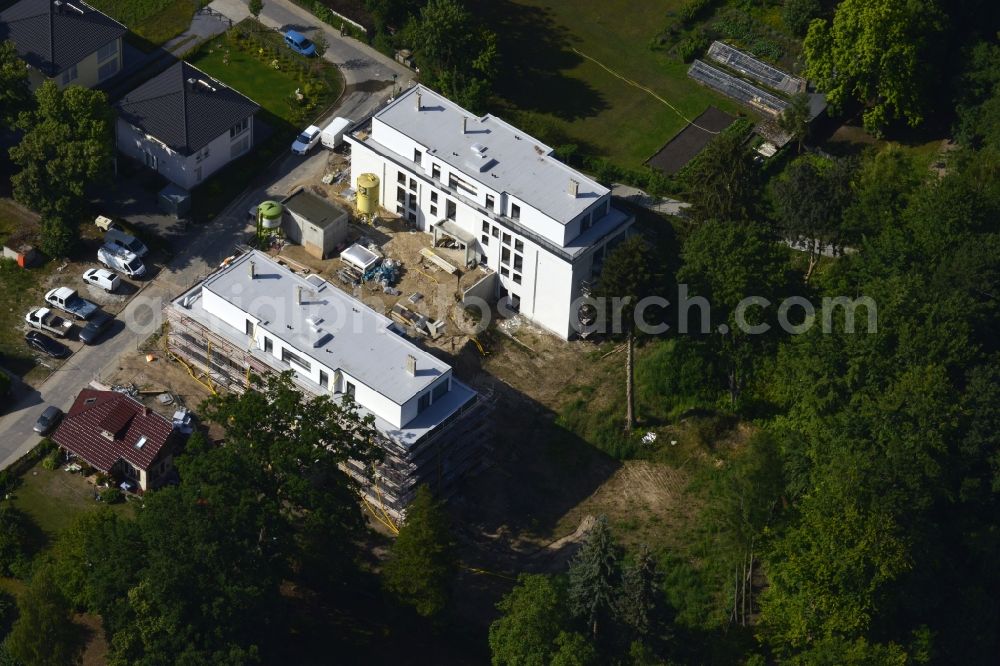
x,y
54,499
257,79
19,290
263,84
567,98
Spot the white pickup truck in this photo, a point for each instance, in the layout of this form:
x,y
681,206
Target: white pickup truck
x,y
68,300
46,320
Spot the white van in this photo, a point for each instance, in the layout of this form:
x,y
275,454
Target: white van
x,y
333,133
123,261
127,242
102,278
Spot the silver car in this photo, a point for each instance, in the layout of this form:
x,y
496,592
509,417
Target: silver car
x,y
48,420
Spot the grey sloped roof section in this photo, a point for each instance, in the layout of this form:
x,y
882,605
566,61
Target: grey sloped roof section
x,y
53,36
185,108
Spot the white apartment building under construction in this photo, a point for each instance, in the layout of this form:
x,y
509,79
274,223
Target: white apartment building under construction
x,y
258,315
543,227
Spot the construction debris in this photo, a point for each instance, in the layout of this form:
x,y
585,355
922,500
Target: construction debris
x,y
385,273
441,263
418,322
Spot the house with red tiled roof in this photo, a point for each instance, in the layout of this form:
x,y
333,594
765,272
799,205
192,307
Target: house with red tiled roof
x,y
120,436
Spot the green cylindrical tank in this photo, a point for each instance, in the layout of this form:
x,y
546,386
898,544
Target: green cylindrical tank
x,y
367,194
270,214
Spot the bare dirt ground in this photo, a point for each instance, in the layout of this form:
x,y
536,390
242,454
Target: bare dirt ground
x,y
159,376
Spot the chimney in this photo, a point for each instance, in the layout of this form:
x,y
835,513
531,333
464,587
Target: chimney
x,y
419,105
298,295
411,365
253,272
465,124
145,411
574,188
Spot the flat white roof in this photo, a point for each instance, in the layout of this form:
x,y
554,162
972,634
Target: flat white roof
x,y
328,326
491,152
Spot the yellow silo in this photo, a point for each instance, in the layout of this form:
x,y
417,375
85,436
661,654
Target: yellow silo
x,y
367,194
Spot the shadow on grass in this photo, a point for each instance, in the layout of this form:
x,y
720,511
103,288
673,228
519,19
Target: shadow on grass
x,y
535,49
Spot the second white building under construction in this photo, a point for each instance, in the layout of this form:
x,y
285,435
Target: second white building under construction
x,y
257,315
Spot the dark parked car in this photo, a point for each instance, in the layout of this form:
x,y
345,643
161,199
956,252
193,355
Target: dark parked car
x,y
46,345
48,420
98,325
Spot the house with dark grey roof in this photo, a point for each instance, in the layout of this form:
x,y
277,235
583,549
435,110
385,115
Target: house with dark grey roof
x,y
185,125
118,435
67,41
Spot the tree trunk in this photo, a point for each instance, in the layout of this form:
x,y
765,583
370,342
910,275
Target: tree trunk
x,y
629,384
743,595
815,250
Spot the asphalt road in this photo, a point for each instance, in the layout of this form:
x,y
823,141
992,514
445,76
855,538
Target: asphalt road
x,y
368,77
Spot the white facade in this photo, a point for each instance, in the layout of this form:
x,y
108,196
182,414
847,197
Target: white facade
x,y
334,343
540,224
188,171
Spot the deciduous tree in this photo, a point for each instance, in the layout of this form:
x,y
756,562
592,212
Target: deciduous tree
x,y
879,53
725,263
454,52
809,202
533,616
14,536
14,94
795,119
423,561
44,634
798,13
68,146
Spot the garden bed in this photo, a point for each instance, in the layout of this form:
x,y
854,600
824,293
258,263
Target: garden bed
x,y
255,61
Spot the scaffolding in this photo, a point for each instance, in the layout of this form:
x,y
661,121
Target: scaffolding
x,y
453,448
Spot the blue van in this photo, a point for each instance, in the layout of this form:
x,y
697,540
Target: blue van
x,y
299,43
